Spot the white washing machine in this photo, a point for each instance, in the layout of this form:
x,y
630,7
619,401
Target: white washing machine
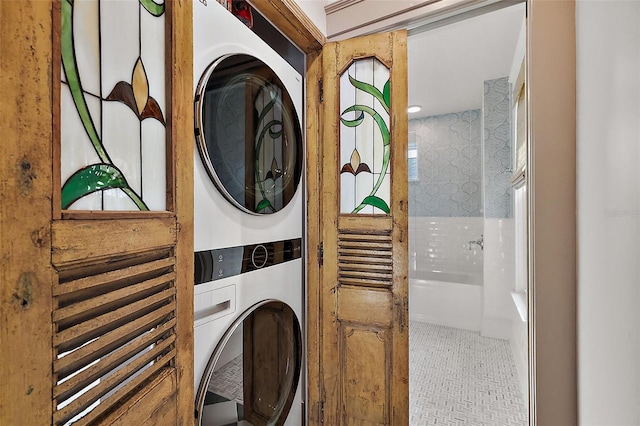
x,y
248,218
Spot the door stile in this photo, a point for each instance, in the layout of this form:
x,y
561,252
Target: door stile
x,y
180,52
399,194
26,274
314,202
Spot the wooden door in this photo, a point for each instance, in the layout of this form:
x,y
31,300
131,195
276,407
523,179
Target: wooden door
x,y
96,304
361,366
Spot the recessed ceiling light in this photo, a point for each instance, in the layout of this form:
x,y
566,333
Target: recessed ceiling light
x,y
413,108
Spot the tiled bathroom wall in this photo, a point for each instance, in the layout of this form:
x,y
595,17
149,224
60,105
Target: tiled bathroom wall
x,y
496,118
442,244
449,163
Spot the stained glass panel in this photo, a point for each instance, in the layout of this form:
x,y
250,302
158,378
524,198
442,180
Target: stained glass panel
x,y
365,138
113,86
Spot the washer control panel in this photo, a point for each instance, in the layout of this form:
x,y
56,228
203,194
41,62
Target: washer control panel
x,y
211,265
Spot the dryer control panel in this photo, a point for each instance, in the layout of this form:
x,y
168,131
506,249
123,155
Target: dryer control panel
x,y
211,265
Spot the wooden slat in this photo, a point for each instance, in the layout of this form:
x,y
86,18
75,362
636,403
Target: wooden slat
x,y
110,362
150,406
382,262
287,16
364,267
110,382
116,398
365,275
113,214
363,223
112,296
107,277
76,241
111,318
107,342
369,253
364,237
345,281
360,244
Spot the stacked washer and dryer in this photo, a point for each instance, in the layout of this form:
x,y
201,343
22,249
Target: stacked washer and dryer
x,y
249,280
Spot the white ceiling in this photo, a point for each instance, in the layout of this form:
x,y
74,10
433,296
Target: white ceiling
x,y
448,65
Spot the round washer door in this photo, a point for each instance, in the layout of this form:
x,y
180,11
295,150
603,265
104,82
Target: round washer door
x,y
248,134
253,373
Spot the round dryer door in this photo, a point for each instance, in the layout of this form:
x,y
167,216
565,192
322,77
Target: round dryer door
x,y
253,374
248,134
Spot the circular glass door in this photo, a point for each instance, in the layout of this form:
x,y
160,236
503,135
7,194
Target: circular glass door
x,y
254,371
248,134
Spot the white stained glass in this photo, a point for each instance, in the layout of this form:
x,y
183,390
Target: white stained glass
x,y
347,193
86,42
367,138
347,134
154,178
152,49
116,199
362,70
385,189
76,149
121,139
364,184
120,41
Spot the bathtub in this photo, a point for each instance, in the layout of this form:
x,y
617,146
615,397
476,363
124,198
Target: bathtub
x,y
451,299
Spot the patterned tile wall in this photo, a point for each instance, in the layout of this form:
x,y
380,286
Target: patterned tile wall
x,y
496,115
449,166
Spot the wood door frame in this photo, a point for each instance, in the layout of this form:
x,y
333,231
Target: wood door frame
x,y
551,110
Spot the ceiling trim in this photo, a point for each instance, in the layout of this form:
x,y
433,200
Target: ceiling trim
x,y
339,5
343,23
289,18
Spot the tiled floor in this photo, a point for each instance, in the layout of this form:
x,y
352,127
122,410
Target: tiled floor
x,y
223,404
227,380
458,377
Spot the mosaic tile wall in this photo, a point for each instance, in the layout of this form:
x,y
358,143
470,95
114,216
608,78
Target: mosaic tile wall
x,y
449,166
497,148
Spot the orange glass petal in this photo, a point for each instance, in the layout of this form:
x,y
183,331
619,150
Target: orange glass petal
x,y
355,159
140,86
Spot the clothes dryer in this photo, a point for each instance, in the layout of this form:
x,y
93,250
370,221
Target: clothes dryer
x,y
248,219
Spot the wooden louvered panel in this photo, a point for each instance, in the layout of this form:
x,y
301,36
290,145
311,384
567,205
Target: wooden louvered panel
x,y
79,334
365,259
114,331
109,341
113,276
115,398
104,301
86,377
